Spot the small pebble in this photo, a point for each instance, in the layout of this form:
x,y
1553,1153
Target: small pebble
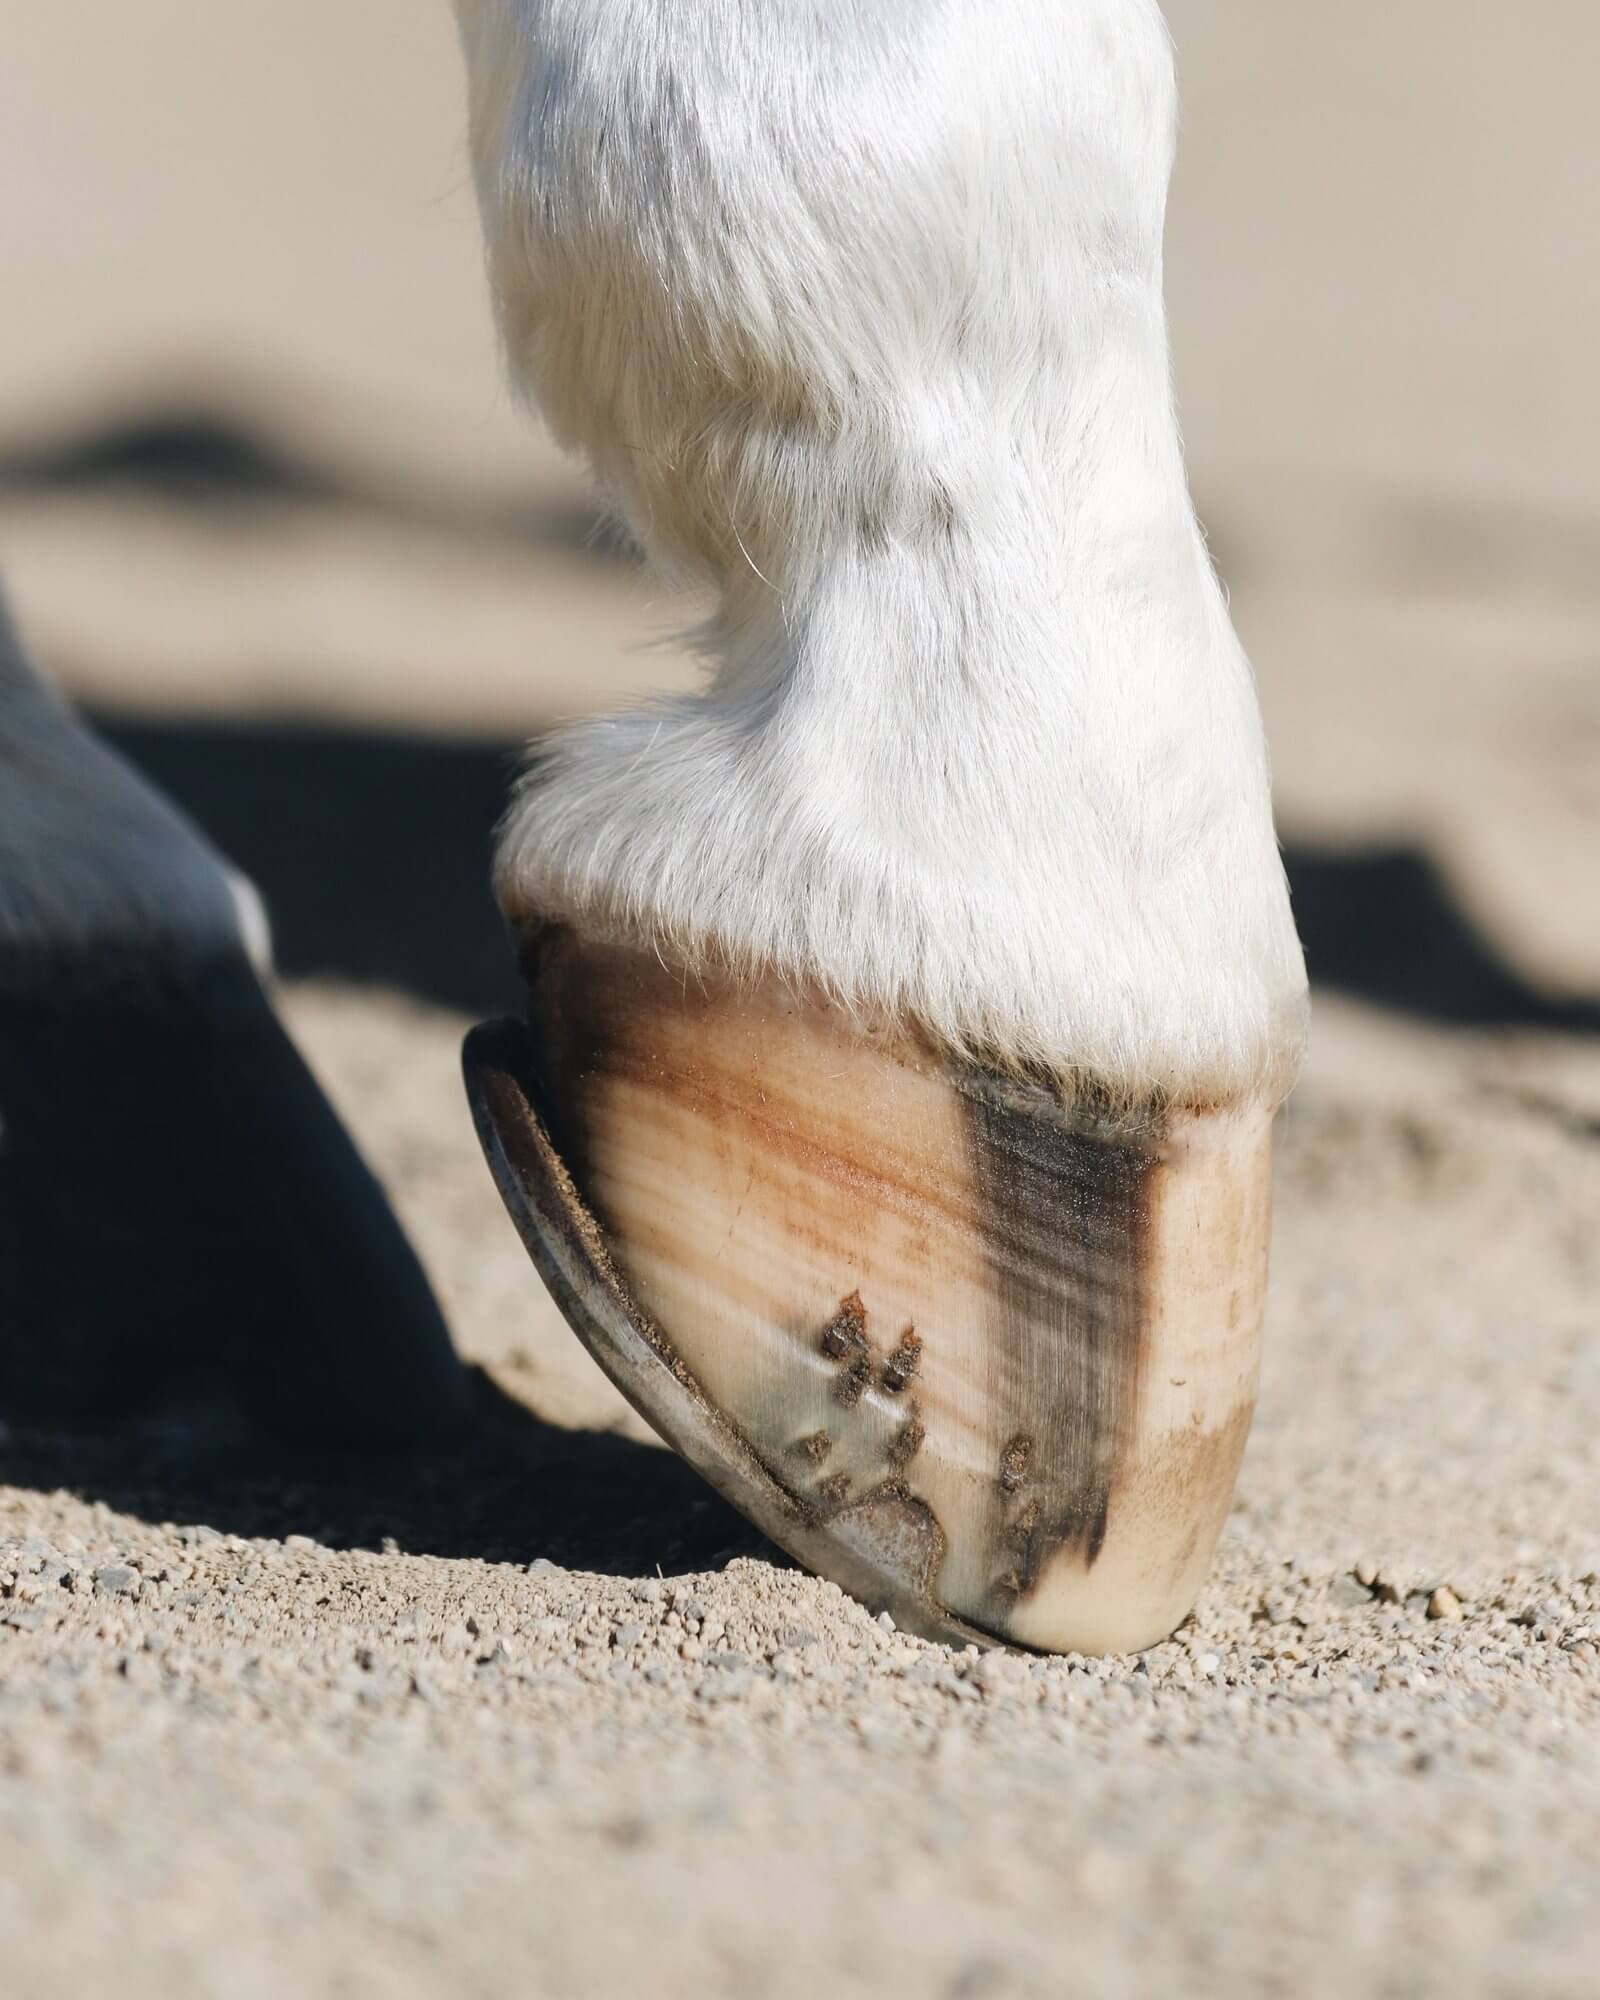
x,y
1443,1603
116,1580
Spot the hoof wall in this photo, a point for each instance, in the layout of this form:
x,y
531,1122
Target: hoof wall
x,y
984,1357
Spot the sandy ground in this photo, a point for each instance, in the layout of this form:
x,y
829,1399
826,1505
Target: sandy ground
x,y
540,1715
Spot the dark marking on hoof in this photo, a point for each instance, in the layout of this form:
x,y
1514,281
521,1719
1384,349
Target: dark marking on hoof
x,y
1014,1462
817,1446
835,1489
846,1333
903,1363
1067,1188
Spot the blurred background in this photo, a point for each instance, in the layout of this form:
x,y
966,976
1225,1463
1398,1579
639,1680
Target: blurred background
x,y
270,515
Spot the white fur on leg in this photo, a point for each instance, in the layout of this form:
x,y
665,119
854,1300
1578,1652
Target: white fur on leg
x,y
856,311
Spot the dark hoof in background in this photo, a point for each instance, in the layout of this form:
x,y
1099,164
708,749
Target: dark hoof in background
x,y
182,1213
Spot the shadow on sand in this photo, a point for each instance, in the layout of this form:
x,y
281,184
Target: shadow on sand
x,y
372,854
507,1488
193,455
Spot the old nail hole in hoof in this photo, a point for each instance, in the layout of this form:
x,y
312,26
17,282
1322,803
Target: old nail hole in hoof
x,y
903,1363
845,1335
908,1441
1014,1462
953,1341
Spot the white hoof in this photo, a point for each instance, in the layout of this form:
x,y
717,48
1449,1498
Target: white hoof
x,y
985,1357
